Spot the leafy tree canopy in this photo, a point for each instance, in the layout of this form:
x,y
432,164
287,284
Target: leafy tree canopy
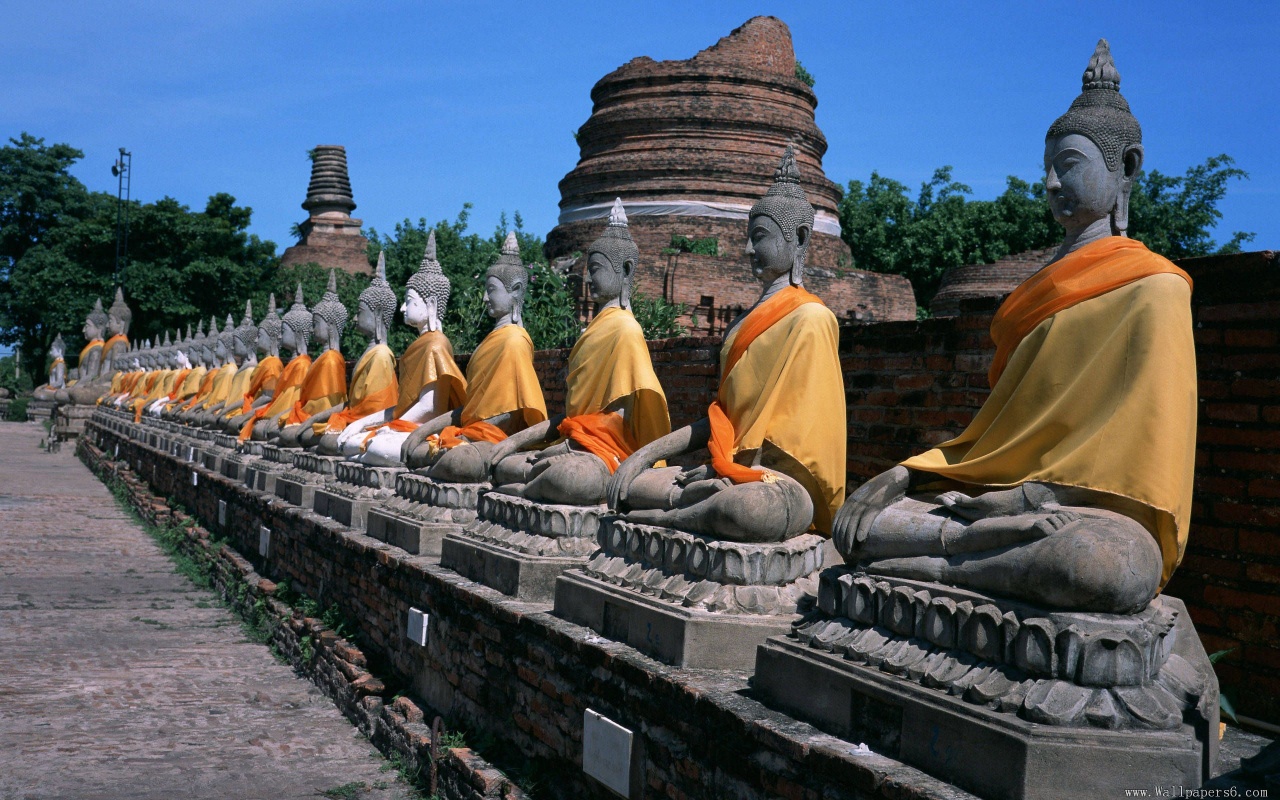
x,y
940,228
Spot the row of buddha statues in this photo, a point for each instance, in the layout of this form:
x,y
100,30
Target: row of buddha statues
x,y
1070,489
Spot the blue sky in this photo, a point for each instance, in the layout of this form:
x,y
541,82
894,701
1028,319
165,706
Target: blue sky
x,y
443,103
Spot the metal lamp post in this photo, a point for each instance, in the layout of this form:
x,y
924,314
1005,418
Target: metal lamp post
x,y
123,170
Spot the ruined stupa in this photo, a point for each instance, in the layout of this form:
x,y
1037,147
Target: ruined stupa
x,y
681,143
330,235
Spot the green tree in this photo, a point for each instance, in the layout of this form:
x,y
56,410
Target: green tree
x,y
36,190
940,228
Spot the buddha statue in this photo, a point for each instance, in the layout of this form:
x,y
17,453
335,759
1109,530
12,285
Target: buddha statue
x,y
776,431
193,350
294,336
159,382
89,364
614,403
373,391
265,377
1071,488
503,393
179,368
244,354
325,386
204,346
431,383
119,317
57,372
223,350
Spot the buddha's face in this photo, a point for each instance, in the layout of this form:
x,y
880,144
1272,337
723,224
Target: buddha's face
x,y
115,325
237,347
498,300
772,256
366,320
606,281
1080,188
288,338
91,331
264,341
319,328
220,351
416,309
55,351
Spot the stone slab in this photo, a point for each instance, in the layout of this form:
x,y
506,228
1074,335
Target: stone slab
x,y
525,577
296,490
349,511
682,637
963,743
411,535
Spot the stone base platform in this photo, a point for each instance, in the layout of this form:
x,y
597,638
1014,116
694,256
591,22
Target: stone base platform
x,y
954,683
423,511
40,409
690,600
69,421
356,488
310,472
519,547
262,474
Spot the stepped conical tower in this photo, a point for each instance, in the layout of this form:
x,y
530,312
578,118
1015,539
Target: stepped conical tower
x,y
330,235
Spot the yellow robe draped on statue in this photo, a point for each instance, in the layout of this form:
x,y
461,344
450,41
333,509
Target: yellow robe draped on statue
x,y
288,390
239,385
500,380
264,380
428,360
206,386
610,362
187,388
117,343
220,389
787,388
324,387
374,388
1102,396
161,388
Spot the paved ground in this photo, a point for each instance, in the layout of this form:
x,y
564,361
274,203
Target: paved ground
x,y
120,679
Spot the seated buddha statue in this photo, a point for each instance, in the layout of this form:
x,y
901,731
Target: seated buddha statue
x,y
193,349
57,371
244,354
89,363
372,392
431,384
223,350
294,335
614,403
160,382
89,388
263,385
503,393
776,432
325,387
180,365
1071,487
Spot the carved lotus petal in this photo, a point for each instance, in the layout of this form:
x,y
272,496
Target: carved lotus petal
x,y
1151,706
912,652
1053,702
1103,711
1033,650
1110,660
940,622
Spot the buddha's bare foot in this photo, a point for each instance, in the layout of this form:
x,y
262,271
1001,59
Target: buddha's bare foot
x,y
988,504
328,445
466,463
765,511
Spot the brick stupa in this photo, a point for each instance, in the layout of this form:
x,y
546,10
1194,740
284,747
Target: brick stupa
x,y
330,235
689,146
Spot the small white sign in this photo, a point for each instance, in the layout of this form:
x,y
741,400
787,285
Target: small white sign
x,y
117,450
417,632
191,453
606,752
222,513
264,540
195,478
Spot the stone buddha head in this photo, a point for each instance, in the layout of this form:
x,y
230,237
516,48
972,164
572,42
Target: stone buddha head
x,y
224,347
295,333
427,291
195,346
329,317
612,261
119,316
245,335
778,226
377,304
505,284
58,348
1093,153
269,330
95,324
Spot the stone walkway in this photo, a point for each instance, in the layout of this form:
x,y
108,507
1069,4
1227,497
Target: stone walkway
x,y
120,679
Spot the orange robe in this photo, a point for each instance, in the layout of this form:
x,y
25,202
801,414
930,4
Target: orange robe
x,y
1094,387
781,383
324,387
288,390
374,387
500,380
264,380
